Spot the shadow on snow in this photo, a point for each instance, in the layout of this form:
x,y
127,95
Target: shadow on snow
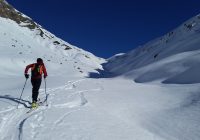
x,y
16,100
101,73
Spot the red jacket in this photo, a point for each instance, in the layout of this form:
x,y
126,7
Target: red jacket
x,y
42,70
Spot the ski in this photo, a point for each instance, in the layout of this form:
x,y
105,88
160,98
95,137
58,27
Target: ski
x,y
31,110
40,103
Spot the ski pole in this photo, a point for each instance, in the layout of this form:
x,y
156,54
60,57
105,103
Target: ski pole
x,y
46,91
22,93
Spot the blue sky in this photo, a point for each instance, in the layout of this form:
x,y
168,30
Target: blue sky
x,y
108,27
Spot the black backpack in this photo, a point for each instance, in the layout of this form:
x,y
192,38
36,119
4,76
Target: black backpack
x,y
36,70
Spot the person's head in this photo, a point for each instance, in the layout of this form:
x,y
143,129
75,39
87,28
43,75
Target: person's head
x,y
39,61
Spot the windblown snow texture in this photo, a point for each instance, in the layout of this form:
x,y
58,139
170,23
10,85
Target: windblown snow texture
x,y
172,58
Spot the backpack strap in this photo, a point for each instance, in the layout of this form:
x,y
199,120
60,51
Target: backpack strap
x,y
40,70
33,67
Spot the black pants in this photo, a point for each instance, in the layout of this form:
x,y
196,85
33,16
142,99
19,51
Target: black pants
x,y
36,86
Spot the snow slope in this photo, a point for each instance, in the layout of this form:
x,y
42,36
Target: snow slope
x,y
96,109
172,58
81,108
21,45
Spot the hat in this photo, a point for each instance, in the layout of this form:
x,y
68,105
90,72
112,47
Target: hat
x,y
39,60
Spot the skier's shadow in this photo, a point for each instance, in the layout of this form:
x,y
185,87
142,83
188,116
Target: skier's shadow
x,y
16,100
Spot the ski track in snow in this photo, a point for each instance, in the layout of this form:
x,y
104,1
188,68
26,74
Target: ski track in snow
x,y
70,85
82,101
13,123
61,119
8,124
22,122
70,100
14,120
8,110
21,129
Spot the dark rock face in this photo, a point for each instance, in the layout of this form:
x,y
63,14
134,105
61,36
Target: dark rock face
x,y
8,11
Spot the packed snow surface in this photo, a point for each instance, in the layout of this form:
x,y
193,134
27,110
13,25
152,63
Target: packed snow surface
x,y
173,58
96,109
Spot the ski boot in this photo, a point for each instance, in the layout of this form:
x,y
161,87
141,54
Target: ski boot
x,y
34,104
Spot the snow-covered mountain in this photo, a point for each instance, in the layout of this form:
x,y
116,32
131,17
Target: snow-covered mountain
x,y
81,108
23,40
172,58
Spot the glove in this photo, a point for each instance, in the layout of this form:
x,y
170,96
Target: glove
x,y
45,76
26,75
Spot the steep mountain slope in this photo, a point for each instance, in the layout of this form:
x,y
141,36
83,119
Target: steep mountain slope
x,y
173,58
23,40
